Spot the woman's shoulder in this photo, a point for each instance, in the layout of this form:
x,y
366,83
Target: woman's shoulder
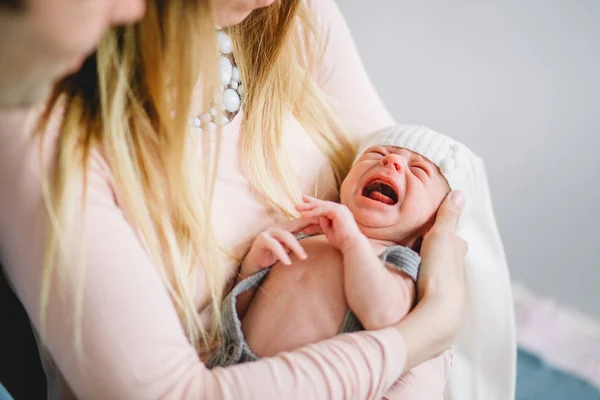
x,y
26,153
20,159
25,167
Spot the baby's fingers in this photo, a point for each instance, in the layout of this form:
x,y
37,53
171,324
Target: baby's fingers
x,y
289,240
312,229
313,200
322,210
275,247
309,199
305,206
325,225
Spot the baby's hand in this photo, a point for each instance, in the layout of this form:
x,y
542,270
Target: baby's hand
x,y
336,221
275,243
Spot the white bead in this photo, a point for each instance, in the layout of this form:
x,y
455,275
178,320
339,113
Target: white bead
x,y
240,90
233,84
231,100
235,74
447,165
211,126
213,111
223,120
197,122
225,44
225,70
205,117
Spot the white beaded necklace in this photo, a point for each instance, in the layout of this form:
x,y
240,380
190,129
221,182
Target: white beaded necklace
x,y
231,89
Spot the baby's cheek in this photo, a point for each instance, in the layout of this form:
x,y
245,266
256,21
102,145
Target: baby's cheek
x,y
346,190
438,192
421,220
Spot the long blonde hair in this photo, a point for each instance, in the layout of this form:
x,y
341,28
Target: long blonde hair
x,y
131,101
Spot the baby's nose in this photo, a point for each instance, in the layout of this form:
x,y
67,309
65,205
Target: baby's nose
x,y
394,161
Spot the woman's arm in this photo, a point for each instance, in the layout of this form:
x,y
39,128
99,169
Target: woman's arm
x,y
133,344
440,287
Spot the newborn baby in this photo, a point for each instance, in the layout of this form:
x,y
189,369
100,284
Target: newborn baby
x,y
359,274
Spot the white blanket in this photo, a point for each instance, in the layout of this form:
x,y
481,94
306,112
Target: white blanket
x,y
484,366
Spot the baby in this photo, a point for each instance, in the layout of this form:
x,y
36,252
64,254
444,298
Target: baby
x,y
361,272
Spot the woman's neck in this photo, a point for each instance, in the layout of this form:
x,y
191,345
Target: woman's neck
x,y
18,120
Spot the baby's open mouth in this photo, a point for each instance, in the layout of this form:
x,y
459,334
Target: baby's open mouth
x,y
380,191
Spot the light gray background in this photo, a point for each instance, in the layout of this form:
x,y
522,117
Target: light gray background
x,y
519,83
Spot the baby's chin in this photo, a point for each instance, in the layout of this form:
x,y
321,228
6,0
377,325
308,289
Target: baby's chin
x,y
383,227
382,231
372,219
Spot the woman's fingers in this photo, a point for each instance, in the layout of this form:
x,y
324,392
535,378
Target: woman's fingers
x,y
443,255
448,214
289,240
433,323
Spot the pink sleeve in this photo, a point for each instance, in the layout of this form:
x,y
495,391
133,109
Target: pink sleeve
x,y
342,76
425,381
133,344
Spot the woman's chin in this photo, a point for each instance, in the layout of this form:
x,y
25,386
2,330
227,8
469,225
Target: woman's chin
x,y
230,18
227,17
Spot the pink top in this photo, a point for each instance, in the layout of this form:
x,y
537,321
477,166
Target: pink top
x,y
133,344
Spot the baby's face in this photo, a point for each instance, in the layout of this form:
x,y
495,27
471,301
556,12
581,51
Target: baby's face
x,y
394,194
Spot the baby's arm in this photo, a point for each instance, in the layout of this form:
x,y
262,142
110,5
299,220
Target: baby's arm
x,y
378,296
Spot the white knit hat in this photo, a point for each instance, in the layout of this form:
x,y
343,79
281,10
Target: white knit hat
x,y
450,156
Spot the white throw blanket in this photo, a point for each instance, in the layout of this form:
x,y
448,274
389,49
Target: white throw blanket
x,y
484,366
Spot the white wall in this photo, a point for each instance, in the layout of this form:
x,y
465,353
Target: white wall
x,y
518,82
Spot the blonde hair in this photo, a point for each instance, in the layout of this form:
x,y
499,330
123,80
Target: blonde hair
x,y
131,101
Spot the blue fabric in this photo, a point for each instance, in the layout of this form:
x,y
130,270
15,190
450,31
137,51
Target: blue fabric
x,y
537,380
4,394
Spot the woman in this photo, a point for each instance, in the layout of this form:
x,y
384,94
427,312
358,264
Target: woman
x,y
42,40
121,255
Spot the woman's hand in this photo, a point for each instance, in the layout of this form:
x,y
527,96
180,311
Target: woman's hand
x,y
275,243
431,327
335,219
